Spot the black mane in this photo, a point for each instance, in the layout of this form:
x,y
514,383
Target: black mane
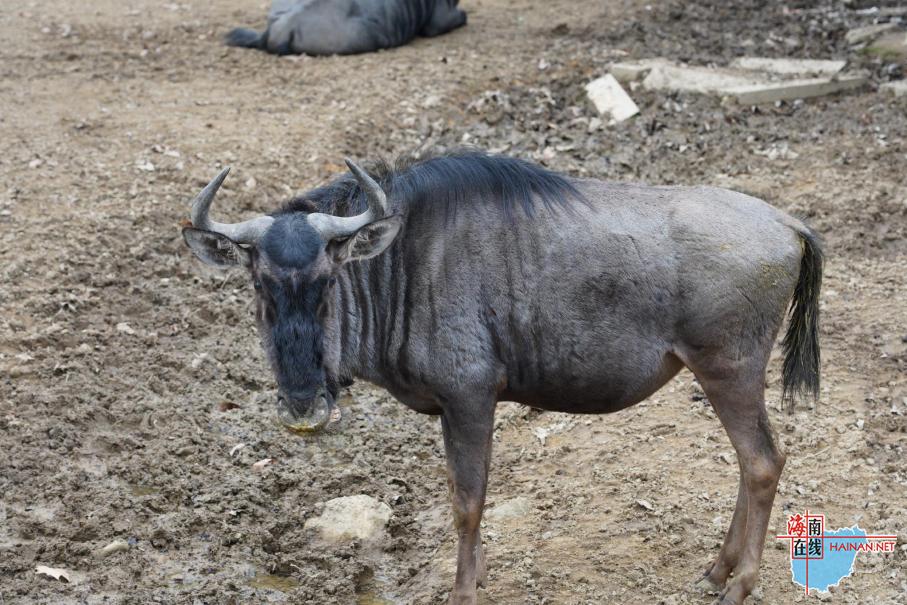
x,y
450,182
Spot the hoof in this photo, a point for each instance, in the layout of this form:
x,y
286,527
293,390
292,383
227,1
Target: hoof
x,y
706,586
732,595
462,599
481,569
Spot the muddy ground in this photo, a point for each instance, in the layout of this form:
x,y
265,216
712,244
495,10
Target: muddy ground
x,y
128,371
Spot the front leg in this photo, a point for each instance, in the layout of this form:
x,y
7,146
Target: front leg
x,y
467,441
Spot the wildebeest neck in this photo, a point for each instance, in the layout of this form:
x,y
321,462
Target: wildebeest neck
x,y
368,310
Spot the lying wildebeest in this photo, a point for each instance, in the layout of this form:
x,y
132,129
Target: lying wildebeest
x,y
346,27
468,279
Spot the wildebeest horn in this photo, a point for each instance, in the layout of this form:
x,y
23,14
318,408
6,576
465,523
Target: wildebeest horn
x,y
331,226
247,232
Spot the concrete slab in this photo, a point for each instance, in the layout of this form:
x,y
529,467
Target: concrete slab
x,y
789,67
633,71
703,80
897,88
611,99
868,33
788,90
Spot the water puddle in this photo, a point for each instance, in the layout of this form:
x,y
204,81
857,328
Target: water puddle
x,y
142,490
370,597
271,582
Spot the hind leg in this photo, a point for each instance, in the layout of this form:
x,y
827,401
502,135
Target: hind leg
x,y
717,573
736,391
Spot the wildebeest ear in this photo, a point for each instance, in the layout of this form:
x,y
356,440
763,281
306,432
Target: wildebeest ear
x,y
216,249
369,241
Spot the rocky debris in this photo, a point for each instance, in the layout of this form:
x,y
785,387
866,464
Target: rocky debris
x,y
789,66
514,508
897,88
351,518
868,33
611,99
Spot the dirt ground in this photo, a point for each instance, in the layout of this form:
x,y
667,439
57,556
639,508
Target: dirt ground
x,y
128,371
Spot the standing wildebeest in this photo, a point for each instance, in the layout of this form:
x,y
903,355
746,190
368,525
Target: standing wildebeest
x,y
484,278
346,27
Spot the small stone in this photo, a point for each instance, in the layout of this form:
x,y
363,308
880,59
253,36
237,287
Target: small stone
x,y
262,464
351,517
645,504
112,548
509,509
125,328
431,101
897,88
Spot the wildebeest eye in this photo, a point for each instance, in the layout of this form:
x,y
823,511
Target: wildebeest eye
x,y
256,284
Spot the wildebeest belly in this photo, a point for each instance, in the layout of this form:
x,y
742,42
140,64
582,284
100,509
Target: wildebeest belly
x,y
616,375
589,326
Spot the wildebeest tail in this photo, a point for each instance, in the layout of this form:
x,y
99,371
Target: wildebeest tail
x,y
247,38
800,374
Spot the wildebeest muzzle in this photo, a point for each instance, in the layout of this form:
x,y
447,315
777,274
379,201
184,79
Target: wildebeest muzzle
x,y
307,414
